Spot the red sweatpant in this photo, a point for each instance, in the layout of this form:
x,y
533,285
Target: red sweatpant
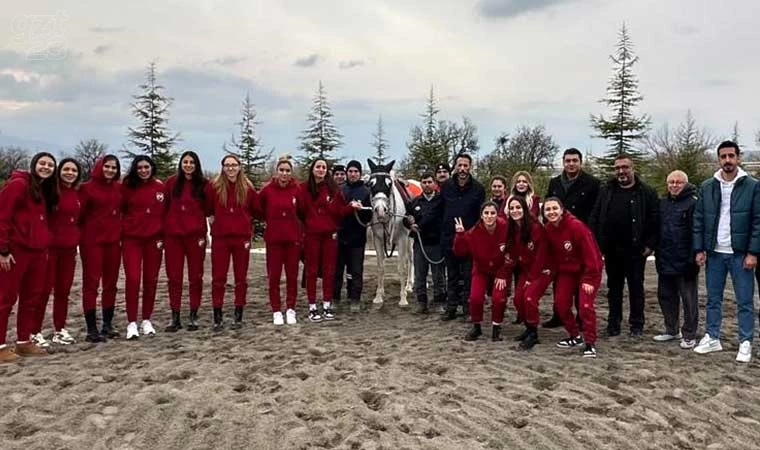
x,y
321,250
278,255
177,249
99,261
142,261
479,282
222,250
565,288
60,276
22,283
528,297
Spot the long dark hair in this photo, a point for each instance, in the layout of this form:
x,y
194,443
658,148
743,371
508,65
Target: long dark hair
x,y
75,184
132,180
525,224
196,179
43,190
313,190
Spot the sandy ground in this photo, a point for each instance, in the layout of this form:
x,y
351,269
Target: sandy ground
x,y
380,379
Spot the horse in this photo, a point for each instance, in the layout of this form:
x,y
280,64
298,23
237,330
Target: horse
x,y
388,231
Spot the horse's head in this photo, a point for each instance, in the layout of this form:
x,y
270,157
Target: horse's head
x,y
380,185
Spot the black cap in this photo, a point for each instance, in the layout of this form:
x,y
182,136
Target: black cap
x,y
442,166
355,164
339,168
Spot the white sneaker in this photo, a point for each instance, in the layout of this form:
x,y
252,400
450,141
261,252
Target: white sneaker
x,y
290,316
277,318
665,337
745,352
132,332
39,340
688,344
62,337
146,328
708,345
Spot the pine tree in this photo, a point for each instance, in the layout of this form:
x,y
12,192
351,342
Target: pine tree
x,y
735,135
380,144
321,138
248,146
152,137
622,128
425,149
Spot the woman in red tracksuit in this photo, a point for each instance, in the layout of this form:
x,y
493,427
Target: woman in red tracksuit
x,y
485,243
142,241
324,206
64,224
527,251
281,207
100,244
579,269
185,236
522,186
233,202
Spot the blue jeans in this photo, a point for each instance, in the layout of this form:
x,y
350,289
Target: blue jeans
x,y
718,266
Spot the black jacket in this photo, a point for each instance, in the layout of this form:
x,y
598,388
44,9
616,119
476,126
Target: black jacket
x,y
461,202
645,216
350,232
675,255
427,215
579,198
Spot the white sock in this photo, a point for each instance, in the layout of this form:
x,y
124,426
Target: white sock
x,y
326,305
312,306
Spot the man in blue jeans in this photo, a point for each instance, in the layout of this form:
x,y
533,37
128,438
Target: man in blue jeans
x,y
727,239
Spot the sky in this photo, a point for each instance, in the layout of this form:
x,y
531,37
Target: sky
x,y
68,69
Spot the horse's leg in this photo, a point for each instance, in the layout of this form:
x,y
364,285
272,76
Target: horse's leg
x,y
410,266
403,268
380,259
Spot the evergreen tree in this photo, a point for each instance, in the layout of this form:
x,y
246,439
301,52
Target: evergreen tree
x,y
622,128
248,146
87,153
425,149
380,144
321,138
735,135
152,137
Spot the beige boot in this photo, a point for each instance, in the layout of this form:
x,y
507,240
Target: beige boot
x,y
30,349
7,355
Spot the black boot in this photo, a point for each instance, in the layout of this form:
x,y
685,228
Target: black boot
x,y
422,304
521,337
238,318
496,333
474,333
449,314
554,322
175,325
192,321
92,327
108,331
530,340
218,323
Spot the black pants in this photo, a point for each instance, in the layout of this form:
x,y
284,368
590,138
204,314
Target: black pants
x,y
672,292
625,265
458,282
421,269
350,259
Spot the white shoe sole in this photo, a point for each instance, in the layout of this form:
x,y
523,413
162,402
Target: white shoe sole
x,y
704,351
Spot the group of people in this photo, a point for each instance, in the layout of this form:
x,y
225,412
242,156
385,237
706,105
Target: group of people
x,y
510,243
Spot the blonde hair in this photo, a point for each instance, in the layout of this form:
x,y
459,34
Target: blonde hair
x,y
529,193
242,184
285,159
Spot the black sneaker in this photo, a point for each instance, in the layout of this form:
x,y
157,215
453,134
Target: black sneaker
x,y
496,333
611,332
637,334
449,315
474,333
589,351
523,335
530,341
328,314
315,316
570,342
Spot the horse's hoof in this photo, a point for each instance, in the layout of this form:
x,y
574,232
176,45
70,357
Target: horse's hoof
x,y
377,301
377,306
403,304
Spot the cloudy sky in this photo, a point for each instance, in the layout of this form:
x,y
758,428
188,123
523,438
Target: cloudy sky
x,y
503,63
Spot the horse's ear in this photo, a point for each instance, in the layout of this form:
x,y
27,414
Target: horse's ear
x,y
372,166
389,166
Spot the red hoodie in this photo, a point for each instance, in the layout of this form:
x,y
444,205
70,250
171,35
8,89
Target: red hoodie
x,y
486,249
574,249
143,209
531,257
101,208
185,215
280,207
64,222
231,219
23,221
323,214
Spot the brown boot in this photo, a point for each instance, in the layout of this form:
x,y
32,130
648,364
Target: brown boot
x,y
7,355
30,349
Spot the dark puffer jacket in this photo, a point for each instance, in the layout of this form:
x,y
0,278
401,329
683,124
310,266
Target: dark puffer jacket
x,y
460,201
351,232
675,255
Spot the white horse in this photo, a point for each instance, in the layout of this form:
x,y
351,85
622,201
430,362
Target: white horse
x,y
388,231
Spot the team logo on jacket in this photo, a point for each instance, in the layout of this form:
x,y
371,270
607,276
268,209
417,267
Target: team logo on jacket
x,y
531,246
335,236
328,199
160,196
201,242
159,244
247,245
294,201
568,246
502,246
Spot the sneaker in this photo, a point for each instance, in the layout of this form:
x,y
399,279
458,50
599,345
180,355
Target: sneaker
x,y
314,315
290,317
688,344
327,311
7,354
708,345
29,348
277,318
132,332
570,342
39,340
146,328
666,337
745,352
62,337
589,351
636,334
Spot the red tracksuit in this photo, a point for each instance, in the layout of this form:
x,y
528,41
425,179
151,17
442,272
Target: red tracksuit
x,y
533,261
62,256
280,207
142,244
321,243
578,261
24,233
100,244
184,238
231,239
535,206
487,251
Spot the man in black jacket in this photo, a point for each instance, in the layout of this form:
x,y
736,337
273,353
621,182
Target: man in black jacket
x,y
462,198
423,218
625,221
352,238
